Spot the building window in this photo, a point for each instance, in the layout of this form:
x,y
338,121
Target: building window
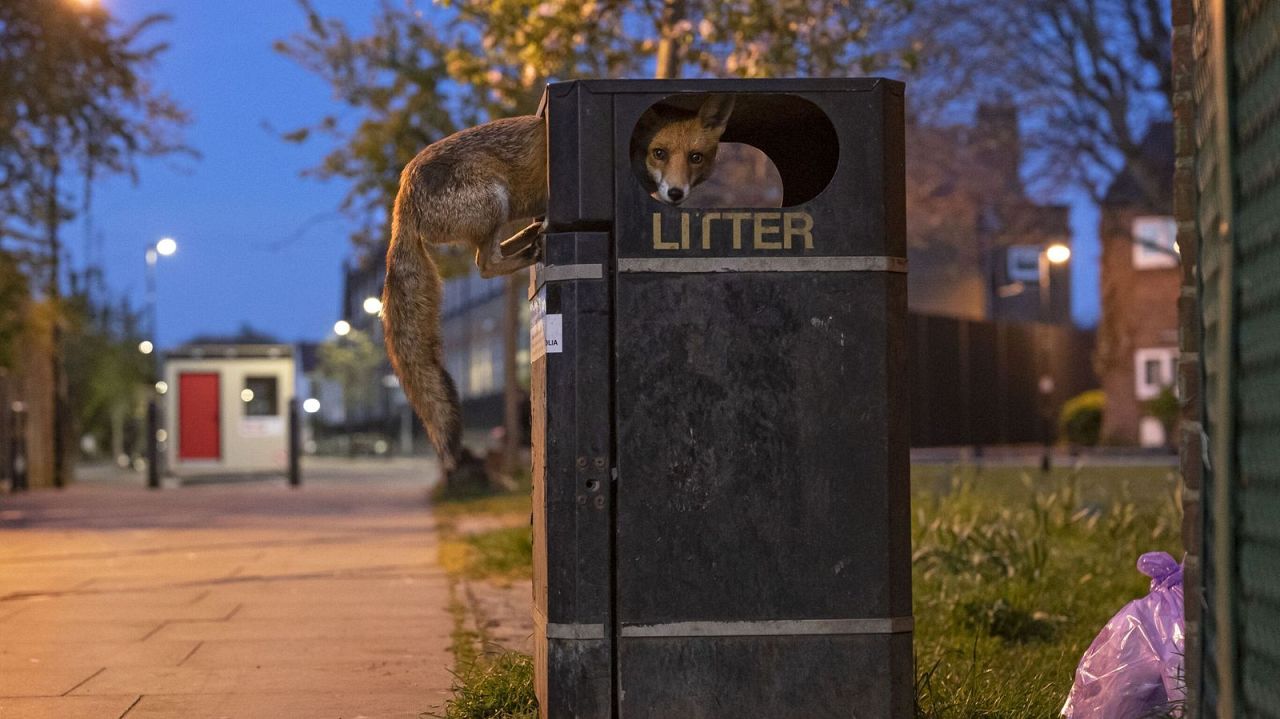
x,y
1154,243
456,363
481,371
1154,370
1023,263
259,397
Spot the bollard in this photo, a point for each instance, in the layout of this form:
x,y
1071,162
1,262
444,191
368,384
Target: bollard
x,y
153,445
720,437
295,444
18,448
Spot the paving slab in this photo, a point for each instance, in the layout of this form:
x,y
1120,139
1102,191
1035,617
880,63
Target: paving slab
x,y
151,653
286,706
312,652
235,600
43,681
108,609
15,629
337,629
66,707
368,677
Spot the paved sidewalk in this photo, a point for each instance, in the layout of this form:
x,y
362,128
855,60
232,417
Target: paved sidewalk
x,y
237,600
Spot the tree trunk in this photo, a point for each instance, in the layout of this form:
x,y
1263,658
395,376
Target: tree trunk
x,y
670,49
54,293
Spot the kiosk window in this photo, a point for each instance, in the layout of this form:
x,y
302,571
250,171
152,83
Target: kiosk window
x,y
259,396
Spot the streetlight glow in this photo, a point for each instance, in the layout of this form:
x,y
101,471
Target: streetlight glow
x,y
145,347
1057,253
166,246
341,328
372,305
311,405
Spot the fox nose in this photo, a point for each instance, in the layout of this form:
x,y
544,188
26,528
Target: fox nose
x,y
675,194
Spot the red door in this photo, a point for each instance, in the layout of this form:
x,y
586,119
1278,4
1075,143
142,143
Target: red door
x,y
199,434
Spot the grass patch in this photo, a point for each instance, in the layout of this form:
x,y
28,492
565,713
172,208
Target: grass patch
x,y
505,553
1012,579
1013,575
493,685
498,687
515,502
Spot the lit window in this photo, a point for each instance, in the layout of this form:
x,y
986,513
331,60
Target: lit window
x,y
1154,243
259,396
480,371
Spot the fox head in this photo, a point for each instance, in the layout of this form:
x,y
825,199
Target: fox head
x,y
674,150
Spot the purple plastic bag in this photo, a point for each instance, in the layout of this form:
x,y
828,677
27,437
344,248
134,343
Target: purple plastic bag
x,y
1134,666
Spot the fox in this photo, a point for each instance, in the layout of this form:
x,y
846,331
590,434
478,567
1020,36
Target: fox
x,y
464,189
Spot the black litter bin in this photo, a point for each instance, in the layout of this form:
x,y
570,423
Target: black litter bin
x,y
720,439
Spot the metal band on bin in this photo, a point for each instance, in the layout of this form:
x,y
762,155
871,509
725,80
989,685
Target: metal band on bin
x,y
562,273
543,274
846,263
556,630
777,628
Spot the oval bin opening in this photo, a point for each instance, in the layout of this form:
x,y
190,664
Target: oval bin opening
x,y
778,150
744,177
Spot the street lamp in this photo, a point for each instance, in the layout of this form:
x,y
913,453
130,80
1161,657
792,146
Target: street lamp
x,y
372,305
1056,253
342,328
164,247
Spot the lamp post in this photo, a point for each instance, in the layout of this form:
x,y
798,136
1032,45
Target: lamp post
x,y
373,307
163,247
1056,253
342,329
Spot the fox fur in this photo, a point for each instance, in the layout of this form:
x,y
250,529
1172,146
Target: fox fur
x,y
464,189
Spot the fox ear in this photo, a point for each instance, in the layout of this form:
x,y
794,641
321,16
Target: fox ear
x,y
715,111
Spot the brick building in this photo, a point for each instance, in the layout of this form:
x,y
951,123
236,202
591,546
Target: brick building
x,y
1141,279
975,235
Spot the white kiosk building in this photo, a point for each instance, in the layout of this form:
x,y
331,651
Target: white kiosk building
x,y
226,408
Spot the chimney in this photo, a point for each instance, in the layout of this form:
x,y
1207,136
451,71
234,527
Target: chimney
x,y
999,149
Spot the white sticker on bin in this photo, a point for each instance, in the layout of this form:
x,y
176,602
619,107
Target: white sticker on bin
x,y
554,334
545,331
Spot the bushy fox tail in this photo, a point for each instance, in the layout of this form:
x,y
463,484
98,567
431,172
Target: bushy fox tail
x,y
412,296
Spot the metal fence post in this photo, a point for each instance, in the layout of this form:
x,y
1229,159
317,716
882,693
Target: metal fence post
x,y
18,460
295,444
153,445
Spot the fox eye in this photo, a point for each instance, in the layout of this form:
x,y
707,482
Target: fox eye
x,y
695,158
659,153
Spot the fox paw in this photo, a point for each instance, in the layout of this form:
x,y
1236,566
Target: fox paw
x,y
526,242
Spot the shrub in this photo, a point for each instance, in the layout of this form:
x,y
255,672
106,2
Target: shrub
x,y
1164,407
1080,421
494,688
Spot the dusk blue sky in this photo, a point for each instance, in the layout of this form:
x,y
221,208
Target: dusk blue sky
x,y
236,212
